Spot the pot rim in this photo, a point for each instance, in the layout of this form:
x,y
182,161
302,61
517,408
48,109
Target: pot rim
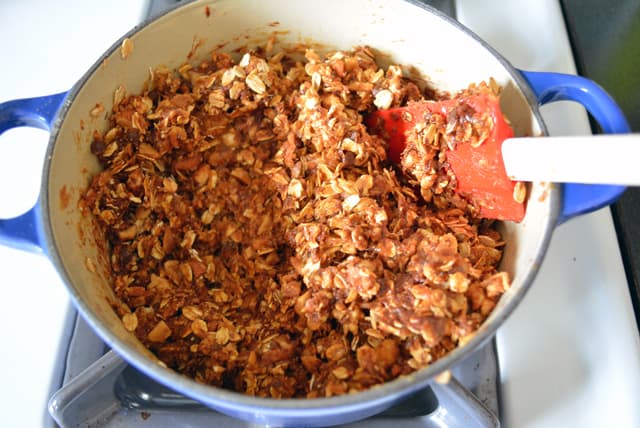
x,y
386,393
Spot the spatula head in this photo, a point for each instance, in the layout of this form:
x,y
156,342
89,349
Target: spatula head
x,y
476,164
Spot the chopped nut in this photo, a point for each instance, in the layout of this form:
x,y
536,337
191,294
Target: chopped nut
x,y
350,202
458,282
217,98
383,99
295,188
157,253
160,333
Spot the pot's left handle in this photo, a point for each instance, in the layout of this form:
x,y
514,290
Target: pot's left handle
x,y
23,232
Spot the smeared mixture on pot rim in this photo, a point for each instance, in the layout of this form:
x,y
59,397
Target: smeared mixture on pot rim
x,y
261,241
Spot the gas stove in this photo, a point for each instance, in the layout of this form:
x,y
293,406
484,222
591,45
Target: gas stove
x,y
568,356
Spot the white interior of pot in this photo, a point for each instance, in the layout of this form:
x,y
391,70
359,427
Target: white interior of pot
x,y
450,58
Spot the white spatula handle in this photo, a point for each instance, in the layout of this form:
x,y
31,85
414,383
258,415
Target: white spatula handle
x,y
592,159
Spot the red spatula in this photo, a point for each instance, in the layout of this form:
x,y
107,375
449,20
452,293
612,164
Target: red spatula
x,y
479,168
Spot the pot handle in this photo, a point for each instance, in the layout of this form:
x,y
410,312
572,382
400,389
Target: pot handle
x,y
549,87
23,232
459,407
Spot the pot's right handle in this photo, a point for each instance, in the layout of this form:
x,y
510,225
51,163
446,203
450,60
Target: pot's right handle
x,y
550,87
23,232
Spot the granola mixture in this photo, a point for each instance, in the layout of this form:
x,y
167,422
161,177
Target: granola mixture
x,y
261,241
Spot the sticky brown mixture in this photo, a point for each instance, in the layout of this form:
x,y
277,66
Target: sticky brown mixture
x,y
260,240
424,159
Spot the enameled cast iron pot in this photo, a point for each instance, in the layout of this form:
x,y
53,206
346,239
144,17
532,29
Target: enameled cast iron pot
x,y
411,33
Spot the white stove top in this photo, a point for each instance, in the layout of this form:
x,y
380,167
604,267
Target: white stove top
x,y
570,352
